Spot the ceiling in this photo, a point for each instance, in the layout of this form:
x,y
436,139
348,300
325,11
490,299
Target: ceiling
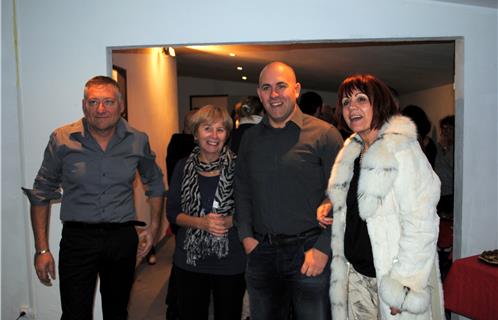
x,y
405,66
477,3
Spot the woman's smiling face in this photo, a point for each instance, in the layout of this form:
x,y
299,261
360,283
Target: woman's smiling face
x,y
357,111
211,138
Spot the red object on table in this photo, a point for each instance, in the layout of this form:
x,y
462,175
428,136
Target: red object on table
x,y
471,289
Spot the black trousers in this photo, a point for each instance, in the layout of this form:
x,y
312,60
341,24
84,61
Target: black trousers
x,y
195,289
88,253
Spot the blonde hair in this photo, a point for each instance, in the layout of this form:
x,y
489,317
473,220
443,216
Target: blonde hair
x,y
209,114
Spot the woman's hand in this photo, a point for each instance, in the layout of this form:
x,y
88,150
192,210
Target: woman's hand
x,y
322,213
395,311
215,223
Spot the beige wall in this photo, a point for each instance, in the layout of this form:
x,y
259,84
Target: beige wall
x,y
152,105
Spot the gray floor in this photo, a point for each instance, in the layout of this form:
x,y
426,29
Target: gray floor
x,y
148,295
147,301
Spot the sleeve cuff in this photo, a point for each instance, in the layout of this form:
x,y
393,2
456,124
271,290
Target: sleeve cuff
x,y
36,197
323,242
394,294
159,193
244,231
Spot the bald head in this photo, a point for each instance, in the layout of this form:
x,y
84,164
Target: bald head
x,y
278,91
278,67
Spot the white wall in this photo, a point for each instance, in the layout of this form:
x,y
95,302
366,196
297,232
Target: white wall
x,y
63,42
437,103
16,258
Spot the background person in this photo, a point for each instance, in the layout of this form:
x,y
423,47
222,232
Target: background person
x,y
209,259
311,103
419,117
249,113
94,161
282,172
385,224
445,163
179,147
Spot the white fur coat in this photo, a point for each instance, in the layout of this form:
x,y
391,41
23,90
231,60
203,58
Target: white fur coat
x,y
397,196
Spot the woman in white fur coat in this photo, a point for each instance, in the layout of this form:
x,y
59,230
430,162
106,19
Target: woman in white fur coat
x,y
385,226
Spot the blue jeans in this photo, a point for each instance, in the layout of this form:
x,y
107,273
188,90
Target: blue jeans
x,y
274,282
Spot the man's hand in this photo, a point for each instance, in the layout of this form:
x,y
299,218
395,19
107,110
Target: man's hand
x,y
147,236
314,262
145,241
322,213
249,244
45,268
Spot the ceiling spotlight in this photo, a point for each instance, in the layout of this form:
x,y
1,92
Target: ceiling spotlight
x,y
244,78
170,51
231,54
239,68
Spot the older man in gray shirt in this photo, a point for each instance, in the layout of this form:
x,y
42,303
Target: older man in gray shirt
x,y
94,161
283,166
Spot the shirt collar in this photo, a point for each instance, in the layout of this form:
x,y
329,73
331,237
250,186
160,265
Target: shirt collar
x,y
80,128
297,118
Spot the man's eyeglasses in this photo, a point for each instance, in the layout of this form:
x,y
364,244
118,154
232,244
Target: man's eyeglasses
x,y
96,102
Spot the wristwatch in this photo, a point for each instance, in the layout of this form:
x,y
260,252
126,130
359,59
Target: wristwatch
x,y
40,252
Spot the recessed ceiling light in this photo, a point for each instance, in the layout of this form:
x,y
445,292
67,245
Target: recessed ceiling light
x,y
239,68
171,51
244,78
231,54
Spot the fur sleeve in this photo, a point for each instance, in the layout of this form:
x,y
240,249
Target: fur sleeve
x,y
417,191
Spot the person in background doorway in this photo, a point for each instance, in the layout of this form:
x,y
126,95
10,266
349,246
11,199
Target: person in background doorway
x,y
419,117
310,103
281,176
179,147
180,144
445,162
326,113
444,168
94,161
249,114
209,258
385,225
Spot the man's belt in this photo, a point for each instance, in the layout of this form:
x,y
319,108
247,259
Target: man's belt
x,y
285,239
102,225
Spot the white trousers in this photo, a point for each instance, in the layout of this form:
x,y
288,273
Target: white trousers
x,y
363,299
